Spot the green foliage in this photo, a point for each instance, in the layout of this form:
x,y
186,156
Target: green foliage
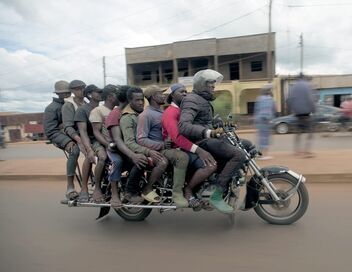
x,y
222,104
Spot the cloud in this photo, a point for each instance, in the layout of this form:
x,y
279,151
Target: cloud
x,y
45,41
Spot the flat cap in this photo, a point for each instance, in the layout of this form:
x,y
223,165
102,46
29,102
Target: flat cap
x,y
152,89
77,84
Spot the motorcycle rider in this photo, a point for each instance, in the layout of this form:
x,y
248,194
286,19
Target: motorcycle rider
x,y
199,160
53,129
128,125
196,124
149,134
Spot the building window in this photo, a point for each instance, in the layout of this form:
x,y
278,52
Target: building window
x,y
146,75
234,71
256,66
168,75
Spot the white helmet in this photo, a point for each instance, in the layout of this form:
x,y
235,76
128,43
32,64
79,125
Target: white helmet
x,y
200,79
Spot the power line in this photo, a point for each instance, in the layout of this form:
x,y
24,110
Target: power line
x,y
197,34
80,51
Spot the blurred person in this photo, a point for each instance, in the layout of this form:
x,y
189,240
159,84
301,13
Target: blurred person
x,y
53,129
91,145
264,112
196,124
346,108
301,103
132,162
199,160
128,125
149,134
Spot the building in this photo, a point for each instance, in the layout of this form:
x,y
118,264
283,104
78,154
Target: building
x,y
237,58
331,90
20,126
242,61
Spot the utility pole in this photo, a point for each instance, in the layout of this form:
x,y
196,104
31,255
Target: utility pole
x,y
104,72
301,46
269,65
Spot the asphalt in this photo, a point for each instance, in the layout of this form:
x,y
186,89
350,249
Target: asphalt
x,y
328,166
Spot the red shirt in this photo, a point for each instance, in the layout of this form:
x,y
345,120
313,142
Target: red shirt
x,y
113,119
169,122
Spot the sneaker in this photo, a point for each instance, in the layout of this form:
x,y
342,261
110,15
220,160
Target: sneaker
x,y
218,202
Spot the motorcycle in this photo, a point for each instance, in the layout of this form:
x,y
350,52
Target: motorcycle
x,y
277,195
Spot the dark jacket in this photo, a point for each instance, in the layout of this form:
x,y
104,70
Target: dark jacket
x,y
300,98
196,117
53,127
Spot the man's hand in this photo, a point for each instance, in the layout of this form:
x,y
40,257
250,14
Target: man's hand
x,y
70,146
91,156
167,144
206,157
82,149
155,155
216,133
140,160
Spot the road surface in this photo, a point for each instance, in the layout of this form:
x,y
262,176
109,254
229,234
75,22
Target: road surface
x,y
38,234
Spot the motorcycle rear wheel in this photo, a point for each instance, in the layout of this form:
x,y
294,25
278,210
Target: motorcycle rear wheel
x,y
289,211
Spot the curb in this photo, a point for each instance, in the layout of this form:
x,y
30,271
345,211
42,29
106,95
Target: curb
x,y
310,178
33,177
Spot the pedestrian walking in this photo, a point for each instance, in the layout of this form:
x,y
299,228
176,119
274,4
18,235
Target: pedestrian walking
x,y
301,103
264,112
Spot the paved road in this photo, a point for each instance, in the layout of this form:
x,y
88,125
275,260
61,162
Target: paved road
x,y
38,234
279,143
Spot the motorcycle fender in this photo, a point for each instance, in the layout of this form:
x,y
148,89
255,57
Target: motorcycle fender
x,y
270,170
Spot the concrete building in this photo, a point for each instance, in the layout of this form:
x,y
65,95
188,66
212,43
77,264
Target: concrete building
x,y
331,90
242,61
20,126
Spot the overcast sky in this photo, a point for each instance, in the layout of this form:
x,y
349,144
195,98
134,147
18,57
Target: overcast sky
x,y
45,41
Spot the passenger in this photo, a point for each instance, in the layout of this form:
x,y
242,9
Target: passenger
x,y
149,134
53,129
92,146
132,162
68,115
97,118
199,159
196,124
128,125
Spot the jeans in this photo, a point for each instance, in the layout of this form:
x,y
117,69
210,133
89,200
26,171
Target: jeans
x,y
116,166
72,161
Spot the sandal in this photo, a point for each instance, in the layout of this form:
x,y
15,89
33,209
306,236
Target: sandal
x,y
98,198
195,203
83,197
152,197
71,194
116,203
206,205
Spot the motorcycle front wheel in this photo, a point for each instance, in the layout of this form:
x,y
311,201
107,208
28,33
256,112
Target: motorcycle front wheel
x,y
285,212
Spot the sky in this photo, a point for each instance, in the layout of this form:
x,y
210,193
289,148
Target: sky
x,y
42,42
